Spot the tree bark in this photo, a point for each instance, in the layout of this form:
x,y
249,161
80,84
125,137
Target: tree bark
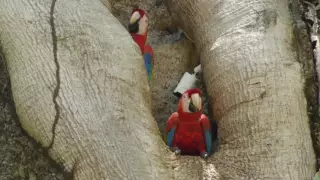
x,y
80,88
255,82
83,68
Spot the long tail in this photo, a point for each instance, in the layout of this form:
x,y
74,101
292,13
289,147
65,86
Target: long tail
x,y
149,62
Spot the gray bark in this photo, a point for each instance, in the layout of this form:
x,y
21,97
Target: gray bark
x,y
255,83
104,128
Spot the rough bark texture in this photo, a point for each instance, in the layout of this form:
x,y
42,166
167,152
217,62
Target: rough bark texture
x,y
255,82
306,56
99,72
312,82
20,157
104,128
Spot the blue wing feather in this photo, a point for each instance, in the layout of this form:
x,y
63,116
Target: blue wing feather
x,y
170,136
148,63
208,141
205,123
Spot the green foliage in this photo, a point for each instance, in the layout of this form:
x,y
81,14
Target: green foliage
x,y
316,176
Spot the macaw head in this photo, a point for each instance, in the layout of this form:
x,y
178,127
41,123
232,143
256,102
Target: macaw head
x,y
191,101
138,22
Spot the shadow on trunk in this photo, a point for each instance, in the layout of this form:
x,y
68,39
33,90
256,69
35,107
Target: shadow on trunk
x,y
21,156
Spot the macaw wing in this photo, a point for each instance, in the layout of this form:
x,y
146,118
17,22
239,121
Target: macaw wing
x,y
206,126
140,40
148,49
148,62
171,127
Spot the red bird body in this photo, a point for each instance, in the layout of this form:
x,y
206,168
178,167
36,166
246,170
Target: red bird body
x,y
138,28
190,132
140,40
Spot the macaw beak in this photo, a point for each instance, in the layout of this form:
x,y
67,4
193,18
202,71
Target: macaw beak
x,y
195,103
134,17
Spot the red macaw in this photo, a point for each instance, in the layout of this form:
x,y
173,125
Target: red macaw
x,y
188,131
138,28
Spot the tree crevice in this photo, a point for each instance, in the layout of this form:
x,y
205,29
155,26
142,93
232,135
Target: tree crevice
x,y
55,58
311,74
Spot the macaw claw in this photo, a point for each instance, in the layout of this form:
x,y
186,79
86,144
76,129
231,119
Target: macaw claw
x,y
176,150
204,155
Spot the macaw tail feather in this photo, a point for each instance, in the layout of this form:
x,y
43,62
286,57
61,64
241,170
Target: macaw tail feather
x,y
149,66
208,140
169,137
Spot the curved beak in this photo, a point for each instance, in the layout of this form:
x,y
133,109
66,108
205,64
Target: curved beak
x,y
195,103
134,17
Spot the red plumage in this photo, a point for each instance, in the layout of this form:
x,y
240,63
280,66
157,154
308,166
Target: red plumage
x,y
141,12
189,134
189,92
140,39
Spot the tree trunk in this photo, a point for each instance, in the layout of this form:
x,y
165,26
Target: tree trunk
x,y
80,88
78,79
255,82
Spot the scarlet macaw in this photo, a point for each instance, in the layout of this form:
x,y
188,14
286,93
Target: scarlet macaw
x,y
138,28
188,131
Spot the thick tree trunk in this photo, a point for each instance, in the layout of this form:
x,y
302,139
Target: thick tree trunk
x,y
79,84
255,82
83,68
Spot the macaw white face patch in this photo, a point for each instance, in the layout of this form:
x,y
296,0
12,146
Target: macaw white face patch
x,y
134,17
196,100
143,25
185,103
